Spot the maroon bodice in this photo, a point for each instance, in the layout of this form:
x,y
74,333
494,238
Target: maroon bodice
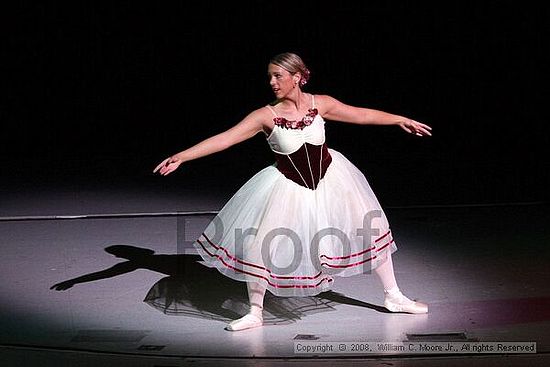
x,y
306,166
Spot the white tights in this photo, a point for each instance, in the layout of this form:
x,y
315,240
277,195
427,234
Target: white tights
x,y
384,271
394,300
256,294
254,318
386,274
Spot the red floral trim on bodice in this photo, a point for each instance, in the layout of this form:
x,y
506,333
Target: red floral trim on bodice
x,y
297,124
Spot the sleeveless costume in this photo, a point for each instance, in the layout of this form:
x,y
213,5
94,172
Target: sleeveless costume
x,y
300,222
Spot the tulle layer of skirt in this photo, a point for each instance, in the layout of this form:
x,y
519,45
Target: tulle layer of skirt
x,y
294,240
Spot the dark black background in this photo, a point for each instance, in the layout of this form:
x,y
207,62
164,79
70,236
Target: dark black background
x,y
100,92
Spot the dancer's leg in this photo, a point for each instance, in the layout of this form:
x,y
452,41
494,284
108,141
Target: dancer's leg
x,y
254,318
386,274
394,300
256,293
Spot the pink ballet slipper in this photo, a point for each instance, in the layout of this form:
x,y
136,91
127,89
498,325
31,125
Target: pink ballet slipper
x,y
248,321
397,302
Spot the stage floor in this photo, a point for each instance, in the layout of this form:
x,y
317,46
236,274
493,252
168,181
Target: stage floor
x,y
482,269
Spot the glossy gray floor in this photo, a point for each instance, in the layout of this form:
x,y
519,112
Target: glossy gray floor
x,y
482,269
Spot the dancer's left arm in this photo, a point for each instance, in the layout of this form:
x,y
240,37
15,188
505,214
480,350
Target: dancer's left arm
x,y
332,109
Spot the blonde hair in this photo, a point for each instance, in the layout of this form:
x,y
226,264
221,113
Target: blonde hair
x,y
293,64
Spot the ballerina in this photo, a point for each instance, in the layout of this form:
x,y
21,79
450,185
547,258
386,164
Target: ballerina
x,y
309,217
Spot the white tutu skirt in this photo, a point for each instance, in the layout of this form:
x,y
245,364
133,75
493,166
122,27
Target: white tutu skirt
x,y
294,240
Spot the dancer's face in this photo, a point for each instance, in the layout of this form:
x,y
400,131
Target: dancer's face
x,y
281,81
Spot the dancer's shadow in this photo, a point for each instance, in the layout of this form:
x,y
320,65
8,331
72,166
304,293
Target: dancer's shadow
x,y
193,289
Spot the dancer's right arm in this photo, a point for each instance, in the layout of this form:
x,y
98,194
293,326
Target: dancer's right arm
x,y
247,128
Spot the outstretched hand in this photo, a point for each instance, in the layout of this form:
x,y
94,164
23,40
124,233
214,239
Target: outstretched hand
x,y
415,127
168,165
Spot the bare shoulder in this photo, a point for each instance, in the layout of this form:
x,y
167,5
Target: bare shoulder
x,y
262,112
261,117
324,103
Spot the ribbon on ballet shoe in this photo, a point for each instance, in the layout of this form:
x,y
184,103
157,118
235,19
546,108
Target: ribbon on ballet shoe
x,y
248,321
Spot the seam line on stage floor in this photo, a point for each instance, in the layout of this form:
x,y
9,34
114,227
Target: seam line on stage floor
x,y
214,212
101,216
